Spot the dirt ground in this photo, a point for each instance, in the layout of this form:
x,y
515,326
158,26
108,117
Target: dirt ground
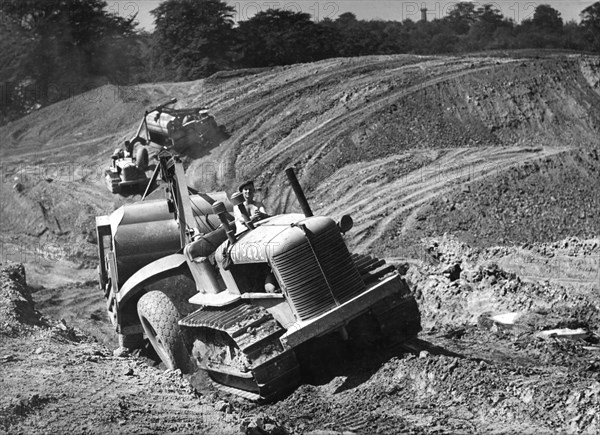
x,y
465,373
475,175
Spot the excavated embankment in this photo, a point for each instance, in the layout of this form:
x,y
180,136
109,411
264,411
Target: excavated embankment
x,y
500,152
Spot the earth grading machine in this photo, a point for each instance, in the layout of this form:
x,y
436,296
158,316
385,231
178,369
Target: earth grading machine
x,y
128,171
240,301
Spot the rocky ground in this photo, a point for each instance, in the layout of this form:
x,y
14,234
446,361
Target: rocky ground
x,y
475,175
465,374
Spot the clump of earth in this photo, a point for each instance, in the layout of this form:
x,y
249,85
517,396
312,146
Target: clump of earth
x,y
466,373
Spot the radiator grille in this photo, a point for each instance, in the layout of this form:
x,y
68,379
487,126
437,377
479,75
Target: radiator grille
x,y
317,284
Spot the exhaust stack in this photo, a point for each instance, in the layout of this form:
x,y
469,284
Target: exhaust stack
x,y
221,211
291,174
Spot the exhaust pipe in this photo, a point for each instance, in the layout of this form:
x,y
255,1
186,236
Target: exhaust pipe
x,y
221,211
291,174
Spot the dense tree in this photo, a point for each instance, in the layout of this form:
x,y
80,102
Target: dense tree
x,y
590,22
590,16
14,46
488,19
54,48
63,45
547,19
543,30
395,38
346,19
72,29
352,34
461,17
573,36
192,38
280,37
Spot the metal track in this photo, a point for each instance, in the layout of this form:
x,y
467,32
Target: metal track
x,y
238,346
371,268
398,316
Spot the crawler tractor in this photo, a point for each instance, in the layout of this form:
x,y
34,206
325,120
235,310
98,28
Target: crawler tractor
x,y
239,302
127,172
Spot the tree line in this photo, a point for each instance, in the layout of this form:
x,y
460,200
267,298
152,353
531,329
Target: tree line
x,y
56,48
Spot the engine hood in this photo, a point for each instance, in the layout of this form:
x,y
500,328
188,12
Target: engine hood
x,y
273,236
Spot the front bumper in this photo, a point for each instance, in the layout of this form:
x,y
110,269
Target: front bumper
x,y
303,331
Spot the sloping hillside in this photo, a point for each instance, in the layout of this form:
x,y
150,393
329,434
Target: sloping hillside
x,y
384,138
493,150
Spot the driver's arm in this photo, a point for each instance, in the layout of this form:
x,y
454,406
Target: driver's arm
x,y
259,211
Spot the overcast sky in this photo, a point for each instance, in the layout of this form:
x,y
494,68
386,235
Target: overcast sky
x,y
374,9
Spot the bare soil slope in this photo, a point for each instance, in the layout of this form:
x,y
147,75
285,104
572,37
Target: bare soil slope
x,y
381,137
500,152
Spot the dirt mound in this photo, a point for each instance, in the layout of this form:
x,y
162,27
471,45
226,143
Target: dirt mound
x,y
80,305
447,393
16,305
543,200
456,284
336,112
380,137
55,379
468,374
86,124
48,224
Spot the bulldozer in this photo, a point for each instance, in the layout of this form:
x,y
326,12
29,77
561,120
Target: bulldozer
x,y
238,302
128,170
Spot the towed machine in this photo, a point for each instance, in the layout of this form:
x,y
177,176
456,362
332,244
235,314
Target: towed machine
x,y
129,165
181,129
240,305
161,127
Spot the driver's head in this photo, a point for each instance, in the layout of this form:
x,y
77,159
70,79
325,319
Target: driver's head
x,y
247,189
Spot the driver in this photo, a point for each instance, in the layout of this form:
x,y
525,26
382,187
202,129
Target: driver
x,y
256,209
129,148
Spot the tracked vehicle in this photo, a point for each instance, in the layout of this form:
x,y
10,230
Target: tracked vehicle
x,y
127,172
239,301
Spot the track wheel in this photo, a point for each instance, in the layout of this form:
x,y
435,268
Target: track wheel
x,y
159,317
141,158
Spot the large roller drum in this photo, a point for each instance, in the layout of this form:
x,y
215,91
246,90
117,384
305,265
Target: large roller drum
x,y
142,233
146,231
161,124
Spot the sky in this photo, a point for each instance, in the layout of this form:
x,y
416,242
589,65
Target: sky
x,y
366,10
